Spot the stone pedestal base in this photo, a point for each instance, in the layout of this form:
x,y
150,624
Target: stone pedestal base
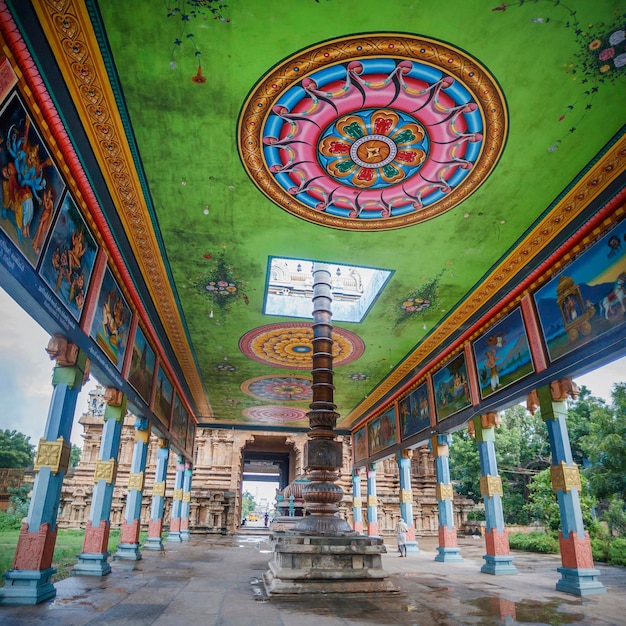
x,y
498,565
579,582
323,565
153,543
174,536
449,555
411,546
27,586
128,551
184,535
92,564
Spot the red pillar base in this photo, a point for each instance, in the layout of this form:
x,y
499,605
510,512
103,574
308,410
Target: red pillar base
x,y
576,551
372,530
34,550
130,532
97,537
497,542
447,537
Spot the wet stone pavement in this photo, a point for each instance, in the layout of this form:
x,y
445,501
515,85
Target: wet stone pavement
x,y
217,581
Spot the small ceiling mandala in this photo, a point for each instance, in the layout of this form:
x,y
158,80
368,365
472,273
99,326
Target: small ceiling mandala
x,y
279,388
290,345
275,414
373,132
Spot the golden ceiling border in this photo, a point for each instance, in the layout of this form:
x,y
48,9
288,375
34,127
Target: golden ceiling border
x,y
69,32
582,193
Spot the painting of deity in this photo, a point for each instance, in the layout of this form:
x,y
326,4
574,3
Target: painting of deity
x,y
68,261
179,421
452,392
142,366
32,187
414,412
587,298
359,444
191,436
111,321
382,432
502,354
163,398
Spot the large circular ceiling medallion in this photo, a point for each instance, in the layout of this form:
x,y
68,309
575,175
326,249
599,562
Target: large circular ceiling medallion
x,y
279,388
275,414
290,345
373,132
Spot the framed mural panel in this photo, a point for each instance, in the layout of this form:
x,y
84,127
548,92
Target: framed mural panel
x,y
142,366
452,392
587,298
359,444
414,412
382,431
180,419
191,436
502,354
111,321
32,186
69,258
163,399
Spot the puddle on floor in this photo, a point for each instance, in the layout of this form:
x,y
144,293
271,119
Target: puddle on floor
x,y
526,611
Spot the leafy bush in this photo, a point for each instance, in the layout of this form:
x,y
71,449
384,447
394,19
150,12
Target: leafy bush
x,y
545,543
615,516
617,552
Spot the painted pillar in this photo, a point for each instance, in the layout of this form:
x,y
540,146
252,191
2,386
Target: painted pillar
x,y
448,549
578,574
357,501
155,525
372,501
186,502
498,559
406,497
94,559
29,581
128,548
174,533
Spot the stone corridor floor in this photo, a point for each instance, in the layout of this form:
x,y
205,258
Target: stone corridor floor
x,y
216,581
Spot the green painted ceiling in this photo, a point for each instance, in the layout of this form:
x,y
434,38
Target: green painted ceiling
x,y
562,110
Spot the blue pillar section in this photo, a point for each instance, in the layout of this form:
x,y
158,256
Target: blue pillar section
x,y
174,533
372,501
357,502
406,497
29,581
578,574
128,548
448,549
186,504
498,559
155,525
94,559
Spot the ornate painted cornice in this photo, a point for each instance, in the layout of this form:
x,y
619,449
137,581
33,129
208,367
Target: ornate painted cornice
x,y
71,37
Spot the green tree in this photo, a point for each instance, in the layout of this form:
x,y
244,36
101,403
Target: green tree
x,y
16,451
247,504
75,455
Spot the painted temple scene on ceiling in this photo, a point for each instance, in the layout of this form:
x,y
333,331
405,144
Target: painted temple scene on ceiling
x,y
382,432
68,261
111,321
32,187
587,298
142,366
502,354
414,410
163,397
452,392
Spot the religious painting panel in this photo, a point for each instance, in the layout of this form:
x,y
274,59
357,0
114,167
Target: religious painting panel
x,y
69,258
502,354
191,436
587,298
111,321
180,417
163,398
414,412
359,444
142,366
32,186
382,431
452,392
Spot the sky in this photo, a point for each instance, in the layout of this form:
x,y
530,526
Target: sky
x,y
26,374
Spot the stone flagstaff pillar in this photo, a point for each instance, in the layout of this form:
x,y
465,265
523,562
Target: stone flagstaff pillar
x,y
448,549
128,548
578,574
94,559
186,502
155,525
406,497
357,502
498,559
372,501
29,581
174,533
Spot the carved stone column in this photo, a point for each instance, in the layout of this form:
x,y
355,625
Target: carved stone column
x,y
174,533
155,525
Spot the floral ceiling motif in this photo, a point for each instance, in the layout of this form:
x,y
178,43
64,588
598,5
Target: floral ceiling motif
x,y
279,388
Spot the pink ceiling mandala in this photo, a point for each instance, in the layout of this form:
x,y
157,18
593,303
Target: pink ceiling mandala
x,y
373,132
275,414
279,388
290,345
